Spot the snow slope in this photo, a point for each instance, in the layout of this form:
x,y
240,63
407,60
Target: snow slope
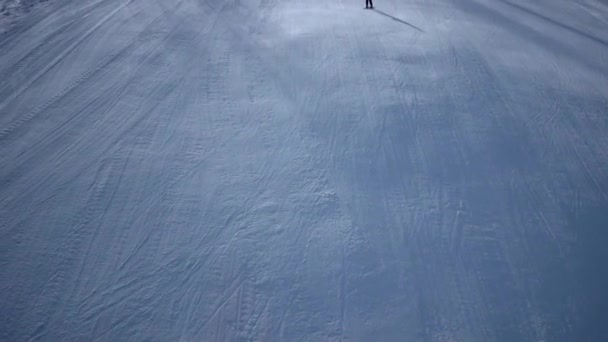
x,y
269,170
12,10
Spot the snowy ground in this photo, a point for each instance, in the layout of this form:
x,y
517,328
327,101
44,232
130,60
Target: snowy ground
x,y
13,9
282,170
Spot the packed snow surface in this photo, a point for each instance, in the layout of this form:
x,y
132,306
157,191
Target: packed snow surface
x,y
288,170
15,8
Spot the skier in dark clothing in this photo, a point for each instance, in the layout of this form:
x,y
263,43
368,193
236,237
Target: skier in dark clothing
x,y
369,4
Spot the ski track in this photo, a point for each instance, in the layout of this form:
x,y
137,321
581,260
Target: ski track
x,y
267,170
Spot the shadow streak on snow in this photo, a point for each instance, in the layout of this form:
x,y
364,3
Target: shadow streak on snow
x,y
397,19
495,17
557,23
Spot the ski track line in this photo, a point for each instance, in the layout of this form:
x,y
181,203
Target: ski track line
x,y
116,89
228,294
129,127
558,100
61,56
251,331
164,122
114,295
457,233
9,72
588,170
406,119
137,287
16,33
77,235
182,175
538,208
116,55
79,229
239,300
84,77
592,12
72,20
111,299
119,163
532,13
279,326
343,294
408,109
541,114
550,231
58,131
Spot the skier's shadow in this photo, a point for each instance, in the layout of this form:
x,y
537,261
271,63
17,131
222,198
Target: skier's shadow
x,y
397,19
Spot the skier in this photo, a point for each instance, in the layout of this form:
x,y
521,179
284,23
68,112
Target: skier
x,y
369,4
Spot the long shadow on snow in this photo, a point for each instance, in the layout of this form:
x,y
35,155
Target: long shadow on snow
x,y
494,17
397,20
557,23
